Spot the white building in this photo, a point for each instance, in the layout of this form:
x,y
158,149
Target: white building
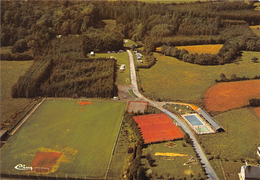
x,y
249,173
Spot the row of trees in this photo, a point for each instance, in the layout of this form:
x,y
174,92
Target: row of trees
x,y
243,40
71,78
63,71
40,20
234,77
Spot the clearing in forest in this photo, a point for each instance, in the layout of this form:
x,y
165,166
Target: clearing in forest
x,y
211,49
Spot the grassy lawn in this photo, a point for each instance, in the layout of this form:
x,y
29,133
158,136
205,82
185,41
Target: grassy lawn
x,y
10,73
241,138
129,43
173,79
122,58
173,168
85,135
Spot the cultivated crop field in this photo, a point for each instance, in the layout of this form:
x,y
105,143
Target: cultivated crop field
x,y
211,49
10,73
77,139
226,96
173,79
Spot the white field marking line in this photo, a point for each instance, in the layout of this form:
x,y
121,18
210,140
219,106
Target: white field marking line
x,y
26,117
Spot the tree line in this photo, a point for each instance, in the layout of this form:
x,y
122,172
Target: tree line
x,y
233,78
64,71
242,40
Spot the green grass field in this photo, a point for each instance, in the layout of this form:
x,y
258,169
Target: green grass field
x,y
177,80
10,73
129,43
241,138
122,58
84,134
173,168
240,141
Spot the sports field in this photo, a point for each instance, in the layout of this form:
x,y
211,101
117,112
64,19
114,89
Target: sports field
x,y
158,127
178,80
65,139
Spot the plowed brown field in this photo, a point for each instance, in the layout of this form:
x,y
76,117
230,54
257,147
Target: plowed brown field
x,y
226,96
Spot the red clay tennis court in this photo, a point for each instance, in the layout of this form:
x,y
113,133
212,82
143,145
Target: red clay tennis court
x,y
157,127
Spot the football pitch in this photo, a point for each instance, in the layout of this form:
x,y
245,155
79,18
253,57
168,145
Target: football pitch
x,y
64,139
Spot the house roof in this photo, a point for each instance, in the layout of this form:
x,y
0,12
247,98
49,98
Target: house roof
x,y
252,172
210,120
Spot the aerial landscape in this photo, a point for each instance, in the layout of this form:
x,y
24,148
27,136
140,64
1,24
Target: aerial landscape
x,y
130,90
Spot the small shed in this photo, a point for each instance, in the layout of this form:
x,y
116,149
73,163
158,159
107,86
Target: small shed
x,y
258,151
210,120
92,53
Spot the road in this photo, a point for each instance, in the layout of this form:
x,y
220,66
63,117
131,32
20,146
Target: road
x,y
205,163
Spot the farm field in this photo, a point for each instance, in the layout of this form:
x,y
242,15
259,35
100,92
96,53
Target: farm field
x,y
82,135
211,49
257,111
241,138
240,141
256,29
170,167
173,79
122,58
10,73
231,95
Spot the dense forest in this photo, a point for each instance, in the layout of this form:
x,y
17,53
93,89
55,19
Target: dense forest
x,y
57,34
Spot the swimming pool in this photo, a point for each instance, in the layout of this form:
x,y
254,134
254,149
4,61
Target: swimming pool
x,y
193,119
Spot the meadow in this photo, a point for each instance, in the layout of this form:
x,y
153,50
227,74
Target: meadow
x,y
10,73
211,49
85,135
175,167
256,29
240,140
173,79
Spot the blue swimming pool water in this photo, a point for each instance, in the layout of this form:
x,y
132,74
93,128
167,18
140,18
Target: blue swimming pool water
x,y
194,120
